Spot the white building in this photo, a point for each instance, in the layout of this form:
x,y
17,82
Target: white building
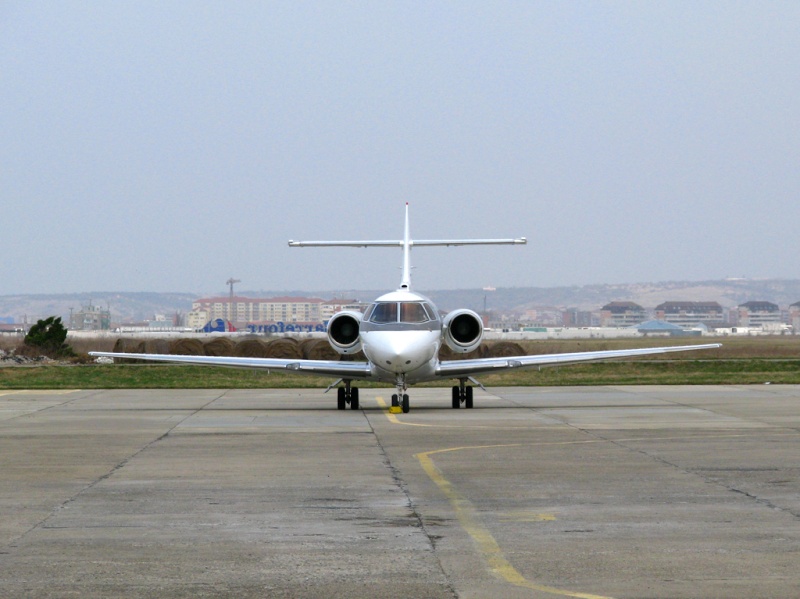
x,y
284,309
758,314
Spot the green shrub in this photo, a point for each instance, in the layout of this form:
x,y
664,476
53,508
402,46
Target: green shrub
x,y
49,336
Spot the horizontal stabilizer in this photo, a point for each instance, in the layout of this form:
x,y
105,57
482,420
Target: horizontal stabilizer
x,y
355,244
414,242
448,242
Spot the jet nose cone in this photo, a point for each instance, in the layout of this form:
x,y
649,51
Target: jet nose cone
x,y
399,352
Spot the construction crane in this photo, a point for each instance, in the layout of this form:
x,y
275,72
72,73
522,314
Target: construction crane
x,y
230,283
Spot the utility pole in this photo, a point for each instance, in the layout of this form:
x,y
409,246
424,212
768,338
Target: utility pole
x,y
486,291
230,282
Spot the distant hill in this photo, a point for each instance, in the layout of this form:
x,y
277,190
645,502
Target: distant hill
x,y
136,307
728,292
125,306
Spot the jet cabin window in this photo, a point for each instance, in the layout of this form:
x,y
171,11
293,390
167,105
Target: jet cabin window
x,y
409,312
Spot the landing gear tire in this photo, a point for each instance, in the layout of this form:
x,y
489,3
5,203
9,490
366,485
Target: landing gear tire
x,y
347,395
462,394
405,404
395,403
341,401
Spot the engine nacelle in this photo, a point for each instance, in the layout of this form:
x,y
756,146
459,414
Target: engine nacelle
x,y
463,331
343,332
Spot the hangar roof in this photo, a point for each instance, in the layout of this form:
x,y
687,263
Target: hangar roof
x,y
657,325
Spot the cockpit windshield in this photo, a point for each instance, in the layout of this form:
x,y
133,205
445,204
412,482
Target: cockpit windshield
x,y
407,312
384,312
412,312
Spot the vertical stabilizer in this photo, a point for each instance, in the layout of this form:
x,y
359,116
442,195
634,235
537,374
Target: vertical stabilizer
x,y
405,282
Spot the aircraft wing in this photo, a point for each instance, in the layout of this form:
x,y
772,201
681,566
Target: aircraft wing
x,y
349,370
465,368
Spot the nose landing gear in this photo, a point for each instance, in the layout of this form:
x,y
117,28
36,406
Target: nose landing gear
x,y
400,399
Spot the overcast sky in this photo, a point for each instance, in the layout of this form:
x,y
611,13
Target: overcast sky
x,y
167,146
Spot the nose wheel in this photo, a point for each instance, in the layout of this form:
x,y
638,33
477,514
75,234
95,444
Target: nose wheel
x,y
462,394
347,395
400,398
401,401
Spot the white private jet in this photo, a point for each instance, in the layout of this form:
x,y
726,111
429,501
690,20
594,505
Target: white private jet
x,y
400,334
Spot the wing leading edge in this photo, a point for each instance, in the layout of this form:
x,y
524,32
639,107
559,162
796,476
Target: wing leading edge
x,y
351,370
445,369
465,368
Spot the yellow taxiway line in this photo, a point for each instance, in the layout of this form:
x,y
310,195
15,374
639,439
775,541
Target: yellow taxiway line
x,y
467,514
467,517
390,414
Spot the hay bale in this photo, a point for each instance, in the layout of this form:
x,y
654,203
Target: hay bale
x,y
219,346
250,348
125,345
505,349
186,347
445,353
156,346
318,349
284,347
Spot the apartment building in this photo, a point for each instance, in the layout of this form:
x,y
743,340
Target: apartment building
x,y
690,314
90,318
286,309
330,307
758,314
794,316
622,314
246,309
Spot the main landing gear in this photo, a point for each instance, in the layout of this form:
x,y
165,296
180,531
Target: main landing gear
x,y
462,394
347,395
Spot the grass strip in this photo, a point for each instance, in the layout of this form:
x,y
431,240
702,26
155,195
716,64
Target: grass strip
x,y
170,376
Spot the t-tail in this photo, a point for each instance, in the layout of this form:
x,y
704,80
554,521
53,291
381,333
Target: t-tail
x,y
406,244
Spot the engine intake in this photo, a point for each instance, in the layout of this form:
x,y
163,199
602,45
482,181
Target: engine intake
x,y
463,331
343,332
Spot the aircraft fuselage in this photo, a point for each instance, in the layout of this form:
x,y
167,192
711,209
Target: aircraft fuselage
x,y
401,333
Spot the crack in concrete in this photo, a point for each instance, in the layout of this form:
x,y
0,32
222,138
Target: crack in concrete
x,y
420,523
694,471
42,524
